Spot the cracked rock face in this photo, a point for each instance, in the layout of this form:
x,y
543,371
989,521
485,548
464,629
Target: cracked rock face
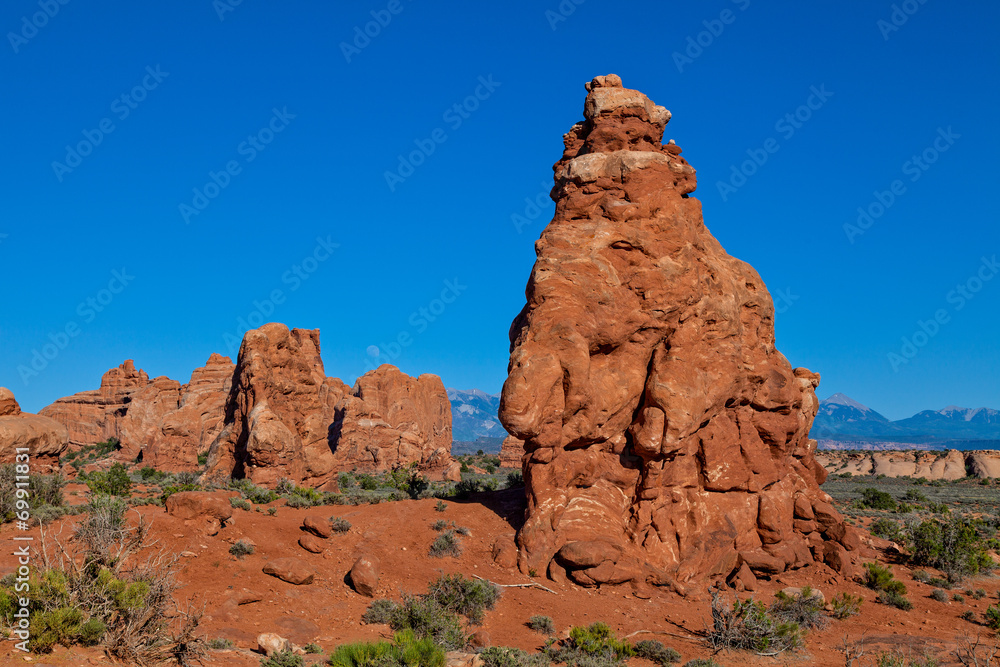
x,y
666,437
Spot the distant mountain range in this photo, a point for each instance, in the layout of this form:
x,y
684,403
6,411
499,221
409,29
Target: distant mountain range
x,y
474,416
843,422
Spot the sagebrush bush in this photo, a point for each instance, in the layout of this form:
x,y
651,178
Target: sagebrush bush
x,y
542,624
878,577
747,625
888,529
504,656
240,503
804,608
654,651
468,597
241,548
339,524
939,595
593,645
441,506
447,544
283,659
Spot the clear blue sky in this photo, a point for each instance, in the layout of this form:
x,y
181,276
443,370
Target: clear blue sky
x,y
213,83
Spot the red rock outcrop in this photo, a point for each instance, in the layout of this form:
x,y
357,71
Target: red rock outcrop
x,y
511,452
285,418
167,425
666,437
96,416
391,419
45,439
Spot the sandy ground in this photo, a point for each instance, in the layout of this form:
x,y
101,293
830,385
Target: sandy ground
x,y
328,612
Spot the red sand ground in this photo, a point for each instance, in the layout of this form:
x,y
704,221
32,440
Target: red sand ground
x,y
328,611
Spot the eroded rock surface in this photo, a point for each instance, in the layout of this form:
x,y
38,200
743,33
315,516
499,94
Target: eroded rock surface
x,y
949,464
42,438
96,416
285,418
511,452
666,436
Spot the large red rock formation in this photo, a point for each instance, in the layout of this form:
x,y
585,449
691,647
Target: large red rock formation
x,y
167,425
43,438
666,437
285,418
96,416
391,419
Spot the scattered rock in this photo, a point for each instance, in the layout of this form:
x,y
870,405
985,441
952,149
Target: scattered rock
x,y
505,552
318,526
365,575
292,570
270,643
200,504
311,543
480,639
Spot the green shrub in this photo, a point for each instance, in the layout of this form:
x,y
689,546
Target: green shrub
x,y
253,493
542,624
846,605
240,503
515,479
219,644
283,659
702,662
939,595
339,524
915,495
440,506
938,582
953,546
877,500
747,625
447,544
654,651
880,578
594,644
894,599
406,650
978,594
114,482
312,649
957,597
177,488
804,608
888,529
992,617
968,615
241,548
503,656
469,597
439,525
45,492
921,576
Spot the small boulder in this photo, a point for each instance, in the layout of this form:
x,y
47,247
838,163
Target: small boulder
x,y
480,639
505,552
311,544
292,570
270,643
795,591
743,579
318,526
197,504
365,575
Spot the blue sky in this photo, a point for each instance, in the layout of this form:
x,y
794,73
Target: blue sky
x,y
277,138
